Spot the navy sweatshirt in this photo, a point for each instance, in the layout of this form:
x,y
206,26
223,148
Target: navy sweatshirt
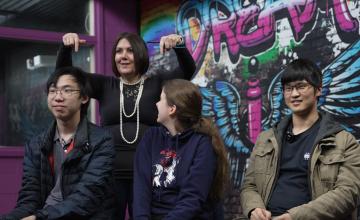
x,y
173,175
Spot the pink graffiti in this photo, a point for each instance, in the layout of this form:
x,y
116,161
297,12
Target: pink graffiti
x,y
223,27
254,109
250,30
247,20
343,16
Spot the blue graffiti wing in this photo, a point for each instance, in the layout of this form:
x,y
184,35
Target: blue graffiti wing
x,y
222,102
341,88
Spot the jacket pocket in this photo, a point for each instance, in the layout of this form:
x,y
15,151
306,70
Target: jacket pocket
x,y
329,168
263,160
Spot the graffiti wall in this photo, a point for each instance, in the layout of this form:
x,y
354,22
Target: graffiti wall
x,y
241,47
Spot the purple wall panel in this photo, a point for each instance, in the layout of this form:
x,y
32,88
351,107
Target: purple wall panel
x,y
35,35
2,116
119,16
10,174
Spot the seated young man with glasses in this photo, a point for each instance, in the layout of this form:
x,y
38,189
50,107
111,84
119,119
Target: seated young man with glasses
x,y
307,166
68,168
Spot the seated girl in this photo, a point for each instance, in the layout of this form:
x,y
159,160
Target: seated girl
x,y
180,167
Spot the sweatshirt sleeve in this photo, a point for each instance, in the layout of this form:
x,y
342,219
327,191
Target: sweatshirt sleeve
x,y
98,83
64,57
186,68
195,188
142,179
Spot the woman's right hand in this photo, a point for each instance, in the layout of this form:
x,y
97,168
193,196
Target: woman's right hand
x,y
73,40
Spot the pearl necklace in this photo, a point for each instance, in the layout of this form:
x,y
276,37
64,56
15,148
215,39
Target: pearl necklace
x,y
129,83
136,108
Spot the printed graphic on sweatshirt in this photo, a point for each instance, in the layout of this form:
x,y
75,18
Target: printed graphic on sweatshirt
x,y
164,171
307,156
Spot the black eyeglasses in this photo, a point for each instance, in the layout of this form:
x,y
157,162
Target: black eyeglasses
x,y
300,87
65,92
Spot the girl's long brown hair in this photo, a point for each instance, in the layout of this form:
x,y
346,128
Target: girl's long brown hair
x,y
188,101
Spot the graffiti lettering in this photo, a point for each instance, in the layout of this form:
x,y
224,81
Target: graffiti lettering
x,y
251,29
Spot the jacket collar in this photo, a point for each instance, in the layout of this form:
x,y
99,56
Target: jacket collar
x,y
280,128
81,139
328,127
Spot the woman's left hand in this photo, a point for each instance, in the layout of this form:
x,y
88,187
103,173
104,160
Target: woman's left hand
x,y
170,41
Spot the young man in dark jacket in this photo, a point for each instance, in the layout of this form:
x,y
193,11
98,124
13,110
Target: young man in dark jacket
x,y
67,169
307,166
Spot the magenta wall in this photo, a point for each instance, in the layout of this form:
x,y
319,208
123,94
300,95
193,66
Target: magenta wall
x,y
10,175
112,17
118,16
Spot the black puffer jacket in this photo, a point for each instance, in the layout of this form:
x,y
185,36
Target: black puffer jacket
x,y
87,183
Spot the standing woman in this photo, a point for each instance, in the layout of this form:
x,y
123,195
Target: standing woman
x,y
181,167
128,101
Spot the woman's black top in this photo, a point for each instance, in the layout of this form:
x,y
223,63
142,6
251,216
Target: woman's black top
x,y
106,89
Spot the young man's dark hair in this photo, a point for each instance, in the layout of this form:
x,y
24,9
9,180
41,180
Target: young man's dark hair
x,y
80,79
302,69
